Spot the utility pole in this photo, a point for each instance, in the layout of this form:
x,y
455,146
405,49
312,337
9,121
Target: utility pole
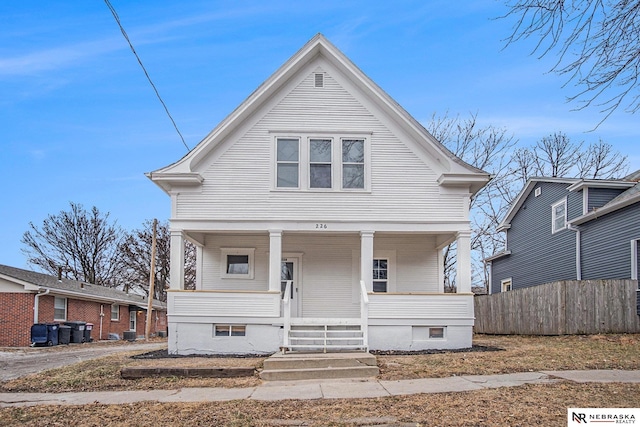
x,y
152,280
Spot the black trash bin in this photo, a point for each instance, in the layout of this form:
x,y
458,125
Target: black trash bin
x,y
77,331
87,332
44,334
64,334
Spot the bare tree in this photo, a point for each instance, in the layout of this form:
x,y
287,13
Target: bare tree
x,y
597,43
82,243
135,250
557,156
486,148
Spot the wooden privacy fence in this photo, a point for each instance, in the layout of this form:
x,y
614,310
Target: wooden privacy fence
x,y
559,308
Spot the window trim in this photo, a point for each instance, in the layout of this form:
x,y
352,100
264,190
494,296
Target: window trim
x,y
117,312
506,282
230,330
58,308
304,184
249,252
555,229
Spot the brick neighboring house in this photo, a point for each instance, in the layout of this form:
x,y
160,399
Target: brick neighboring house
x,y
28,297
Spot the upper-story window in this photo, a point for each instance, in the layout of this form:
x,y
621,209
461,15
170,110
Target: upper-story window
x,y
320,163
309,162
353,163
559,216
288,159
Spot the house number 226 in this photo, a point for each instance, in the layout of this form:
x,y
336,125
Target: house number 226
x,y
318,225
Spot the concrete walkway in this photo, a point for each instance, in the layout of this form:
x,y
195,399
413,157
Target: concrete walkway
x,y
319,389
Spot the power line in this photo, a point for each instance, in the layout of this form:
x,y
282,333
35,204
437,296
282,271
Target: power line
x,y
124,33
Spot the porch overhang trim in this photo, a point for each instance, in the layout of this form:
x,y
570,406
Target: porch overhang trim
x,y
474,182
497,256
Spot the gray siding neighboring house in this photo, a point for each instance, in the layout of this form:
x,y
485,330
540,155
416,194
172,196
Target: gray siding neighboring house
x,y
600,242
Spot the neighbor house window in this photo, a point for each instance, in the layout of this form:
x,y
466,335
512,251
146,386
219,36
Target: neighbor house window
x,y
59,308
132,320
115,312
237,263
288,162
320,163
380,275
559,216
229,330
505,285
353,163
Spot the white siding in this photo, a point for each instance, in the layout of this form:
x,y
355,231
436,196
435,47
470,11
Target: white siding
x,y
416,261
211,262
224,304
327,277
238,184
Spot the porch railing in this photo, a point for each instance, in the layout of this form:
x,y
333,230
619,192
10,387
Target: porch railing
x,y
286,313
364,314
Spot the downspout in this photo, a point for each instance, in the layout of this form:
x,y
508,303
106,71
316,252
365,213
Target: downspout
x,y
101,317
36,304
578,252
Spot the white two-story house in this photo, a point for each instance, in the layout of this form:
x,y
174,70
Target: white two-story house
x,y
319,208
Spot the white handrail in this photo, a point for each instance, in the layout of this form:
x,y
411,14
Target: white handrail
x,y
286,312
364,315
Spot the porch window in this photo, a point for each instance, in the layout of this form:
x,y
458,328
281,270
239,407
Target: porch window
x,y
288,162
229,330
353,163
380,275
559,216
59,308
237,263
115,312
320,163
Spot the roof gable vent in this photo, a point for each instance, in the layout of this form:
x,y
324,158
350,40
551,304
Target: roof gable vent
x,y
319,80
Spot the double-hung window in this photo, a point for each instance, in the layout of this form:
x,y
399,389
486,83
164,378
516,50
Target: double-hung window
x,y
380,275
353,163
321,162
288,162
59,308
115,312
559,216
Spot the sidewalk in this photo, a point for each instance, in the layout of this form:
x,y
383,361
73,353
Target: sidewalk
x,y
319,389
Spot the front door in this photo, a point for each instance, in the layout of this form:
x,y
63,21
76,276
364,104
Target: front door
x,y
289,271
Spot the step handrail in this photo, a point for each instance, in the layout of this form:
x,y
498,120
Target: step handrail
x,y
364,315
286,312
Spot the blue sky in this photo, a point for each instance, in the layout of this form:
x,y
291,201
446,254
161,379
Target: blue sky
x,y
81,123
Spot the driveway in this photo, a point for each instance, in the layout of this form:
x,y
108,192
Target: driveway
x,y
16,363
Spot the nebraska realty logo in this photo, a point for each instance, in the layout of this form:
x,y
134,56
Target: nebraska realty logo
x,y
582,416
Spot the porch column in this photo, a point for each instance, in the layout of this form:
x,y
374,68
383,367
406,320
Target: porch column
x,y
275,260
176,274
463,273
366,259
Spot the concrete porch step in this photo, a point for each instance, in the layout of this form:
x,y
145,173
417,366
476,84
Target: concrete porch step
x,y
301,366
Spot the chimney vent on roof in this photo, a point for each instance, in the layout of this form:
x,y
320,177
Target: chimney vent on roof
x,y
59,274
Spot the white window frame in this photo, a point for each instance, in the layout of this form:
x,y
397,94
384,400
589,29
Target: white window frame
x,y
337,164
133,320
248,252
115,309
432,335
504,283
330,163
229,330
554,228
381,280
56,307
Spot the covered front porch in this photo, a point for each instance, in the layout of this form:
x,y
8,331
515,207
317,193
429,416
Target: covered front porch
x,y
260,292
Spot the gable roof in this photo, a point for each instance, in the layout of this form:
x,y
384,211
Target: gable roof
x,y
34,281
629,196
524,193
454,171
624,199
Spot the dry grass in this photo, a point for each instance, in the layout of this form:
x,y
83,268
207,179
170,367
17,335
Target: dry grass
x,y
543,405
537,405
520,354
515,354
